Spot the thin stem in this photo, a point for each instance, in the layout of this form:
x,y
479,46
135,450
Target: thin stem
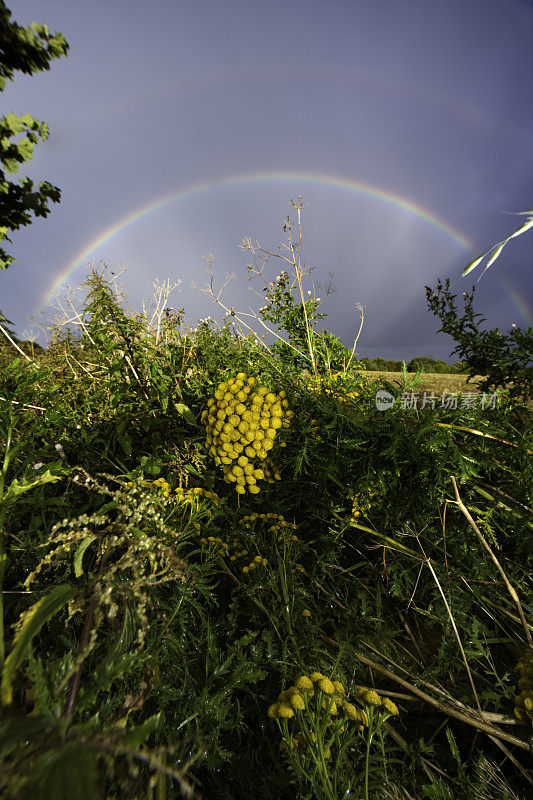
x,y
487,547
358,335
452,620
3,474
283,576
367,758
2,563
25,405
320,730
85,639
6,334
471,718
297,269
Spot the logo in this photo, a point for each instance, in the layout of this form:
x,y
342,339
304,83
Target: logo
x,y
384,400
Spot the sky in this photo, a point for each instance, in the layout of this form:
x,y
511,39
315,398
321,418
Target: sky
x,y
179,128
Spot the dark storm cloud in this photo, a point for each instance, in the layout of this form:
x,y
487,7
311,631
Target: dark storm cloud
x,y
428,101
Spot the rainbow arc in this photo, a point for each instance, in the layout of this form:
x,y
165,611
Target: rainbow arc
x,y
300,178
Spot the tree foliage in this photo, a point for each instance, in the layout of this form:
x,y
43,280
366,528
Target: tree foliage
x,y
505,358
26,50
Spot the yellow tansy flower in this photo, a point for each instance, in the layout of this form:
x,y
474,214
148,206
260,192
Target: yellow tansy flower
x,y
369,696
296,700
391,707
285,711
304,683
326,686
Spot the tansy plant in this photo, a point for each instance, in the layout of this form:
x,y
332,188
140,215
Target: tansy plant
x,y
344,387
323,731
524,701
17,381
242,422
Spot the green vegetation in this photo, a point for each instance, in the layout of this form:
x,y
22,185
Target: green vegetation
x,y
226,573
26,50
505,359
193,522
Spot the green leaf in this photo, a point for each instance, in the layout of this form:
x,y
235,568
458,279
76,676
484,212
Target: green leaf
x,y
392,543
185,412
525,227
473,264
16,730
499,247
34,619
138,735
15,488
68,773
78,556
496,253
191,469
152,466
125,442
121,644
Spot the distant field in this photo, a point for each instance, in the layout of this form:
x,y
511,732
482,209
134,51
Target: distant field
x,y
433,381
437,383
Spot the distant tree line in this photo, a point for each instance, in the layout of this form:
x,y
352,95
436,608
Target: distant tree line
x,y
419,362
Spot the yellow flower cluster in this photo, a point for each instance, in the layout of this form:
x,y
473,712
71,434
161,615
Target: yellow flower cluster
x,y
241,424
280,526
330,697
360,505
243,542
197,491
212,540
314,430
225,550
340,394
524,701
160,483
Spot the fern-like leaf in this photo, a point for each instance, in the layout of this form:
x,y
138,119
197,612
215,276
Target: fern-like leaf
x,y
34,619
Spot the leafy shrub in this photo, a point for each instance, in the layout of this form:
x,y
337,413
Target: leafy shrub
x,y
505,359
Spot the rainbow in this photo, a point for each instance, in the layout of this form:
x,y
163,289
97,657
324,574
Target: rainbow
x,y
519,302
253,178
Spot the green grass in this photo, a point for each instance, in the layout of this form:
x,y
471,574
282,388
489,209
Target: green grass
x,y
438,383
162,628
